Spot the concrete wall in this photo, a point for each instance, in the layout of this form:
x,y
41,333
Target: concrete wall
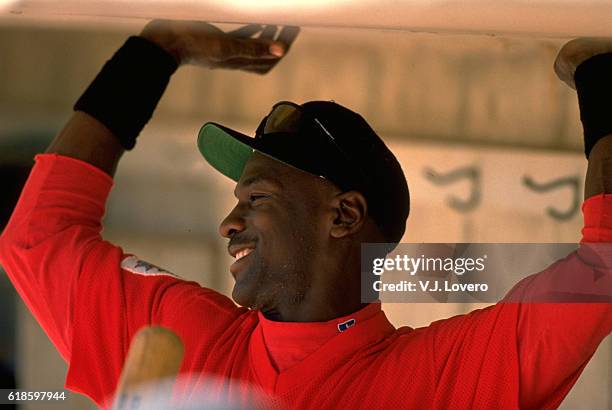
x,y
478,89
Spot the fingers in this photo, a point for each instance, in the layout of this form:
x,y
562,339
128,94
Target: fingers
x,y
268,33
257,55
288,35
245,31
257,49
265,46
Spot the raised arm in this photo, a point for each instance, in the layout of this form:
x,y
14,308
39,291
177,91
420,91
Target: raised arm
x,y
534,345
91,134
52,249
565,311
584,64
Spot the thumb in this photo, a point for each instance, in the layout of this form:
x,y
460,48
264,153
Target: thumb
x,y
256,49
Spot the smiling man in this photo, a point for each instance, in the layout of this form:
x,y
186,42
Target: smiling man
x,y
312,185
300,183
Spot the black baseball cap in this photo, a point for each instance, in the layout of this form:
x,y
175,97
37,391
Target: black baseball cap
x,y
327,140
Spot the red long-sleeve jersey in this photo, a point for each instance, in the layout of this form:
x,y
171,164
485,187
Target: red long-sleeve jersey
x,y
91,298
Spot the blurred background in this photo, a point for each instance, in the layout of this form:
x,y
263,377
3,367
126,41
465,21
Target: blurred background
x,y
489,139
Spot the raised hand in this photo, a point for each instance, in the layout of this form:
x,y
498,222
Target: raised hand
x,y
577,51
202,44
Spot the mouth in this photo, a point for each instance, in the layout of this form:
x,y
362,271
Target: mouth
x,y
241,253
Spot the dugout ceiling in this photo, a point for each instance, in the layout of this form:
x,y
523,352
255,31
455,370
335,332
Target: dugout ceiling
x,y
543,18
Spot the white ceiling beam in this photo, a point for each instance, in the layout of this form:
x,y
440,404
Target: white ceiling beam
x,y
542,18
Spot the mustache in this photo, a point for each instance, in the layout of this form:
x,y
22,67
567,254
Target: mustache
x,y
241,240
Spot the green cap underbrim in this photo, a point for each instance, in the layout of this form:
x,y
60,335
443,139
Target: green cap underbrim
x,y
226,150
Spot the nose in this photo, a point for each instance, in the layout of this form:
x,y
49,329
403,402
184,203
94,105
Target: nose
x,y
233,223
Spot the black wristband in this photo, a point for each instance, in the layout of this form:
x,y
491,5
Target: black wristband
x,y
125,93
593,80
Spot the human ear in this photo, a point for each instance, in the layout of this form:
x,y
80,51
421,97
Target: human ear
x,y
350,210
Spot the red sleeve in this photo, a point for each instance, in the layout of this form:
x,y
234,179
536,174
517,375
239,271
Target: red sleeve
x,y
54,226
556,340
74,284
529,350
597,212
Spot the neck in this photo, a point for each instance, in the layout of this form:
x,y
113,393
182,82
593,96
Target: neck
x,y
335,291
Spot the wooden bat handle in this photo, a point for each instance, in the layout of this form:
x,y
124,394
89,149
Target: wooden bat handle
x,y
155,355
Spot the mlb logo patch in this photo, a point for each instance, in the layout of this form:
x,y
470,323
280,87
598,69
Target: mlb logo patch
x,y
345,325
134,265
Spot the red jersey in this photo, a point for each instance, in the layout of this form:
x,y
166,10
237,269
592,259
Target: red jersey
x,y
91,298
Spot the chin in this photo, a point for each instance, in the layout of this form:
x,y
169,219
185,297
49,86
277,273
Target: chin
x,y
248,286
242,297
245,294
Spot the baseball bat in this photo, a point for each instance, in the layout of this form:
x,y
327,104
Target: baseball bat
x,y
154,356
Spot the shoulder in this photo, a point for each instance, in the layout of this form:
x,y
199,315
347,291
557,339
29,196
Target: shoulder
x,y
454,330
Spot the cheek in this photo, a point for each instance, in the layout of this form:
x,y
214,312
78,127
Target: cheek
x,y
285,233
273,229
307,227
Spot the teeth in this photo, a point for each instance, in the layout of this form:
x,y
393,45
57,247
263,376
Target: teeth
x,y
243,253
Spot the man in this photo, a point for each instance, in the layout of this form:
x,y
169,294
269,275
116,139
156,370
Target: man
x,y
319,183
